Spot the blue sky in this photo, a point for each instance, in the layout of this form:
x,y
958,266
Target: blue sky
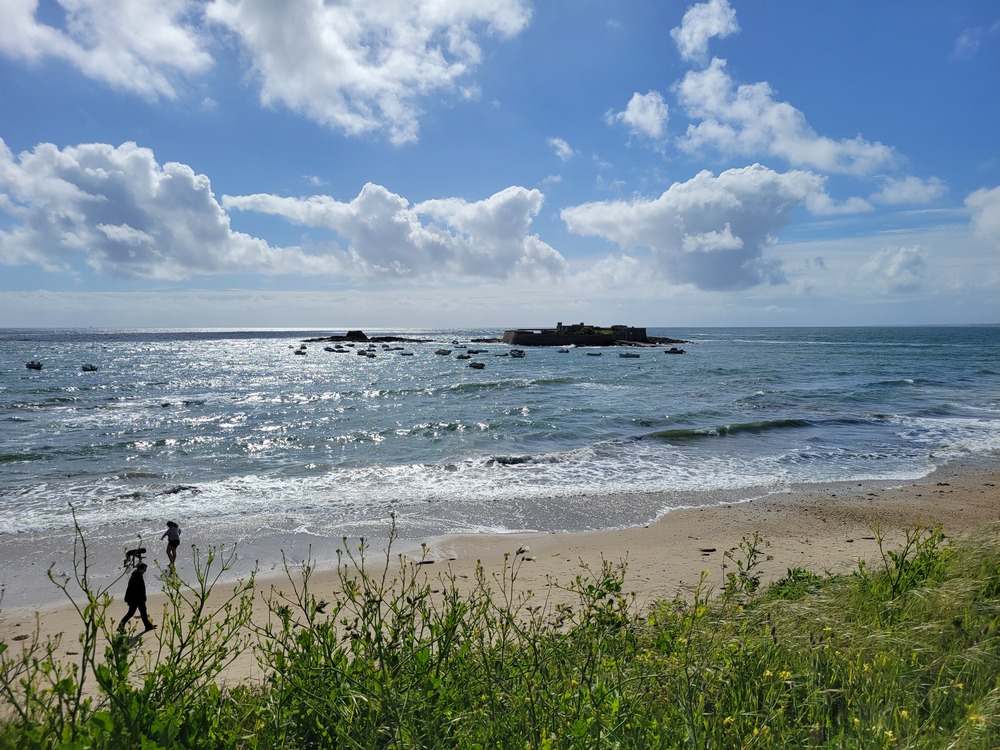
x,y
425,163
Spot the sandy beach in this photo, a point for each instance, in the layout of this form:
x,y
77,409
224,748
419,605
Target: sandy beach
x,y
816,527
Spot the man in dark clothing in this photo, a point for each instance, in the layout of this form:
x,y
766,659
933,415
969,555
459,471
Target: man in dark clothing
x,y
135,598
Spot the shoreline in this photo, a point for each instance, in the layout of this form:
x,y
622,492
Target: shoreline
x,y
821,528
775,512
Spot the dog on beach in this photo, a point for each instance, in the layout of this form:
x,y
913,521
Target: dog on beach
x,y
134,556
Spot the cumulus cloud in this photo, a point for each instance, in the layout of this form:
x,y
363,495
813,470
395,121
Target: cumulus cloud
x,y
645,114
710,231
909,190
700,24
123,213
385,236
360,67
984,205
563,150
899,270
127,216
140,46
746,120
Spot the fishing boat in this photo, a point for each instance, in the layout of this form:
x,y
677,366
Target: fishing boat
x,y
33,365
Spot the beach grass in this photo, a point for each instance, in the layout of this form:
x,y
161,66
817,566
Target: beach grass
x,y
904,652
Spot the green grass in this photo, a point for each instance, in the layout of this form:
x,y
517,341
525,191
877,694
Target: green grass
x,y
902,654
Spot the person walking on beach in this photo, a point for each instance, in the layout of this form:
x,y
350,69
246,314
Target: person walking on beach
x,y
173,537
135,598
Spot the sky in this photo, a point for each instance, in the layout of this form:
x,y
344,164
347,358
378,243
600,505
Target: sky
x,y
464,163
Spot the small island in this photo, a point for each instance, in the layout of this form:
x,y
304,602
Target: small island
x,y
582,334
360,336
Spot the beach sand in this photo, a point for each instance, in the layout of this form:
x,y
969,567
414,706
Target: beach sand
x,y
822,528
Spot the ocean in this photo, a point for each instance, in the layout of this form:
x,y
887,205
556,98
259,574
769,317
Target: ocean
x,y
239,439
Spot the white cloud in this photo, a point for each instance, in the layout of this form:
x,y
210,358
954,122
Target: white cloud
x,y
747,121
909,190
360,67
645,114
123,213
985,207
821,204
139,46
898,271
970,40
700,24
709,231
387,237
563,150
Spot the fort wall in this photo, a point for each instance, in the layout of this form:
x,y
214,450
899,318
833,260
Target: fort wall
x,y
577,334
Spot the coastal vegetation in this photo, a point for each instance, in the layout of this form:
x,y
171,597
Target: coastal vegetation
x,y
902,653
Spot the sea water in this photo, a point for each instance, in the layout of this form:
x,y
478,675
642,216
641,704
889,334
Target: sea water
x,y
233,434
